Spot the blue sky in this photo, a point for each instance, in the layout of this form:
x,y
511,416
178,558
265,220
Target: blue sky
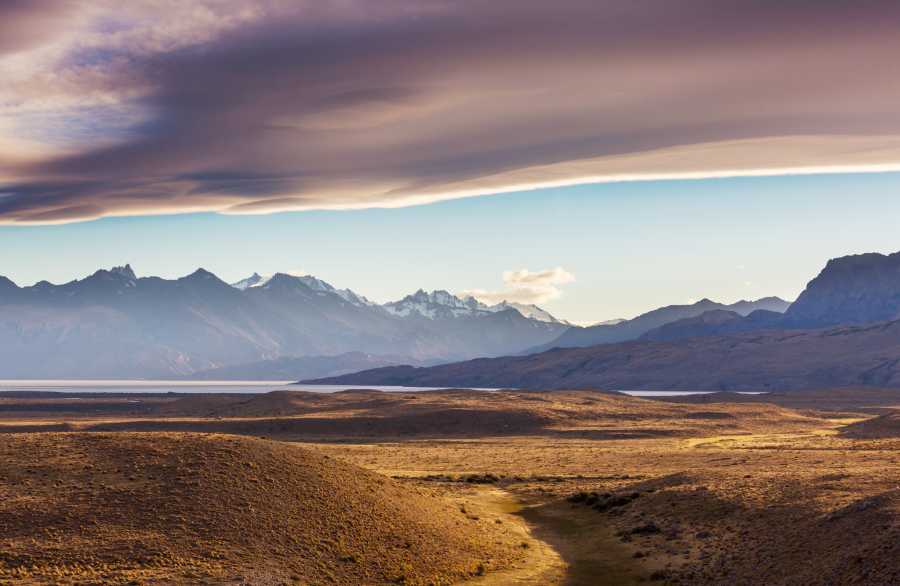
x,y
630,246
126,147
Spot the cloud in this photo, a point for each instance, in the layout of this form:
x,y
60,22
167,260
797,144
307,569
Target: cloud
x,y
233,106
524,286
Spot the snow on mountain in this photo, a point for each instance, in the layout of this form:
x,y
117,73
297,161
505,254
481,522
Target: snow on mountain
x,y
530,311
112,324
354,298
434,305
313,283
442,304
439,304
254,280
429,305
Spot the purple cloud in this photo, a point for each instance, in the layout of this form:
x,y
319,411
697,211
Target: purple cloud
x,y
253,108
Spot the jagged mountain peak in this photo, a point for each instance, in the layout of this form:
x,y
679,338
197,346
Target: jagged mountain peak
x,y
288,281
162,327
442,303
201,273
251,281
116,274
203,279
257,280
124,271
436,304
851,289
529,310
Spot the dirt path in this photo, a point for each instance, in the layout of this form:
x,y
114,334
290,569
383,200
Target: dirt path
x,y
565,547
543,566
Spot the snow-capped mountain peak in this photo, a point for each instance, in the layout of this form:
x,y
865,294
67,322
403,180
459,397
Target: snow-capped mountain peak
x,y
436,304
528,310
442,304
315,284
308,281
254,280
354,298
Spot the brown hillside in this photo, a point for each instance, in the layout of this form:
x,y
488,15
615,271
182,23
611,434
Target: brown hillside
x,y
448,413
191,508
843,356
883,426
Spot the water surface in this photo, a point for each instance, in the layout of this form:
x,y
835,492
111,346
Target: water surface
x,y
232,386
164,386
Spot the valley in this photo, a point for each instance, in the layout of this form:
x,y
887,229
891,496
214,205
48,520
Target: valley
x,y
570,487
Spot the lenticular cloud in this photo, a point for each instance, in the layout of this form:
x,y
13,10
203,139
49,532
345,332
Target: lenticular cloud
x,y
259,107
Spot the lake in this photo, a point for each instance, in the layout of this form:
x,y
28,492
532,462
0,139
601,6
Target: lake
x,y
164,386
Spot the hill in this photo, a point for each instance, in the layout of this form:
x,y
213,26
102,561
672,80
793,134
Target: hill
x,y
189,508
717,322
632,329
453,413
778,360
298,367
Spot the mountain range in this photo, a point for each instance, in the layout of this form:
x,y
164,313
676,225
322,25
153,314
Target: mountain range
x,y
632,329
844,329
850,290
771,360
114,324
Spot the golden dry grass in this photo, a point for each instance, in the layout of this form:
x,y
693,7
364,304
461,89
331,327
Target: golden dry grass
x,y
741,493
780,508
190,508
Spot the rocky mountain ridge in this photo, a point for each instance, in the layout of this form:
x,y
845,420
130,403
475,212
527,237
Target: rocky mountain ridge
x,y
113,324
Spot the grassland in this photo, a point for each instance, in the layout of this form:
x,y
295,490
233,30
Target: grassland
x,y
519,488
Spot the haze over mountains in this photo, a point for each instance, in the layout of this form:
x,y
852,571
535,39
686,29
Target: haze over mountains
x,y
843,330
624,330
285,327
114,324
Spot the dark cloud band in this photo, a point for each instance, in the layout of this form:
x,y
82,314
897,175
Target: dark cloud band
x,y
396,103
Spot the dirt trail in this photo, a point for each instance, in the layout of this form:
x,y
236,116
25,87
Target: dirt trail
x,y
543,566
563,549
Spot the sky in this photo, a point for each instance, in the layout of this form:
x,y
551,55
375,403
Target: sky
x,y
630,247
600,157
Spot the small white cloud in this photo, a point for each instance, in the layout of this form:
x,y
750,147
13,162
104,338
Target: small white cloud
x,y
524,286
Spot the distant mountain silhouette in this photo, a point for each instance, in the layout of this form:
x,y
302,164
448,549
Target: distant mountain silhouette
x,y
851,290
288,368
114,324
717,322
634,328
772,360
843,330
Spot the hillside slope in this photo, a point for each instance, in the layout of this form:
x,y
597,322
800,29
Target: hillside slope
x,y
844,356
190,508
623,331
